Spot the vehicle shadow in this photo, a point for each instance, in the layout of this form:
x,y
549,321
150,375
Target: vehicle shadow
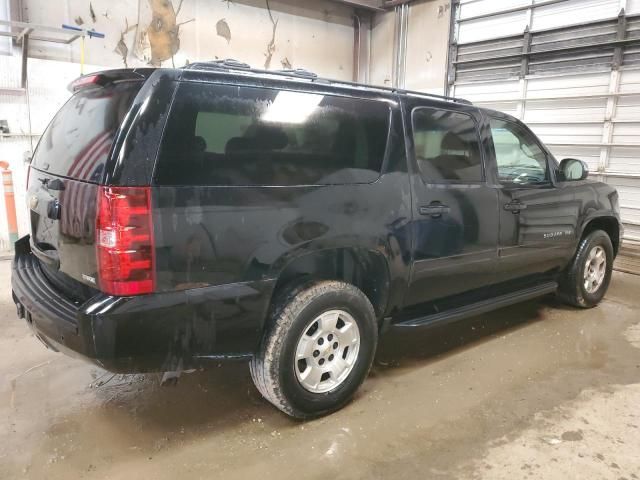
x,y
135,411
421,345
224,393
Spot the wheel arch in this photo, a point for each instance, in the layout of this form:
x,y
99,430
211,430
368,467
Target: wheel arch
x,y
609,224
366,269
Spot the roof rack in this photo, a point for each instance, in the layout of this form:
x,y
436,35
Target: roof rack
x,y
225,64
230,64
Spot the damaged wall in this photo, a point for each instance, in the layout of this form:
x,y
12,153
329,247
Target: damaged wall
x,y
313,34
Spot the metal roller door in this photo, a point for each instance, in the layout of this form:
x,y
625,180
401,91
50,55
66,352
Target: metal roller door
x,y
571,70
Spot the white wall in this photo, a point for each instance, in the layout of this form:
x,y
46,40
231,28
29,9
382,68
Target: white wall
x,y
5,43
427,46
313,34
48,80
381,67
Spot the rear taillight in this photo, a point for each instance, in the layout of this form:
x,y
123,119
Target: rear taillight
x,y
124,241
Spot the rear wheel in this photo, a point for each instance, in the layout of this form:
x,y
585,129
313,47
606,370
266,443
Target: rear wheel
x,y
587,278
318,350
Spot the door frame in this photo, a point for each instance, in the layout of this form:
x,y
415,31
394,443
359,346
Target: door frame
x,y
408,105
520,249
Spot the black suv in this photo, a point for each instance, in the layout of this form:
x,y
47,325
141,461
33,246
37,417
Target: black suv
x,y
217,212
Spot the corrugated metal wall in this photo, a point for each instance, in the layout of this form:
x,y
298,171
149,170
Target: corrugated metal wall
x,y
568,68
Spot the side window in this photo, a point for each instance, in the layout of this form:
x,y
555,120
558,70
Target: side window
x,y
231,135
520,159
447,146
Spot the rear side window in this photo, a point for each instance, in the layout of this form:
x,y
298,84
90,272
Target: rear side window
x,y
447,146
77,142
231,135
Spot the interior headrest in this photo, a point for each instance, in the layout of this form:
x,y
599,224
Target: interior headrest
x,y
199,144
452,141
268,137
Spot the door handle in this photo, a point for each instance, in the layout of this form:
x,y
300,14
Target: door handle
x,y
435,210
515,206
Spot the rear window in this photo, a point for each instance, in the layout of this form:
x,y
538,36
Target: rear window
x,y
77,142
230,135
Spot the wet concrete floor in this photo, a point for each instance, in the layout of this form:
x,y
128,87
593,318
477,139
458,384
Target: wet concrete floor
x,y
537,390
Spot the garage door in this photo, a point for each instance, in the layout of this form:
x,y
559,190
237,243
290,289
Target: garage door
x,y
570,69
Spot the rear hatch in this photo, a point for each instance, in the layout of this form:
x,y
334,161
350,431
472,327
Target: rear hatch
x,y
67,168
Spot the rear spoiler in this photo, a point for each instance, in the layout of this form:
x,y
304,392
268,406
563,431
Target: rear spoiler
x,y
106,77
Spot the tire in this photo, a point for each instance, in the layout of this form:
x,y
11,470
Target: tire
x,y
277,373
573,289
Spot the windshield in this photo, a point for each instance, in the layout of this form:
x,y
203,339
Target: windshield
x,y
76,143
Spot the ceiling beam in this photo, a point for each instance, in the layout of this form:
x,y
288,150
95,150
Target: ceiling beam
x,y
371,5
395,3
377,5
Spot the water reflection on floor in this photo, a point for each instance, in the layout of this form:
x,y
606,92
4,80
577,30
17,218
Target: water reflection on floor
x,y
432,402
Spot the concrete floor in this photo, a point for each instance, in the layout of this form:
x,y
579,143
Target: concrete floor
x,y
537,390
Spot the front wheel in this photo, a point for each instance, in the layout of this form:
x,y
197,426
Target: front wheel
x,y
318,350
587,278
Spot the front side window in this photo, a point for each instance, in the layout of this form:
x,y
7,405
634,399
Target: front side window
x,y
232,135
447,146
520,159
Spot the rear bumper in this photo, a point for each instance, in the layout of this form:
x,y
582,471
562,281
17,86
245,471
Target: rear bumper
x,y
158,332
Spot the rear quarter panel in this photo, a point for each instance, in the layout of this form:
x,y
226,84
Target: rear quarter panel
x,y
217,235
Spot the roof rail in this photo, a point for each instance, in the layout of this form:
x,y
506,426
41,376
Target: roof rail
x,y
301,73
403,91
224,64
231,64
463,101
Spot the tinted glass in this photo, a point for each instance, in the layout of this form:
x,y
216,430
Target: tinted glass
x,y
446,146
77,142
229,135
520,159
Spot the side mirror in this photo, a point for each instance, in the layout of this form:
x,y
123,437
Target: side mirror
x,y
572,169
